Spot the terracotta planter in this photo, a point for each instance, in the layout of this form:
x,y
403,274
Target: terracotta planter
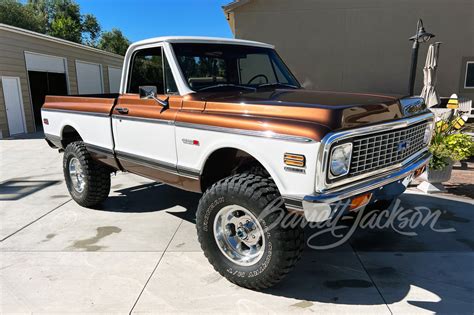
x,y
440,176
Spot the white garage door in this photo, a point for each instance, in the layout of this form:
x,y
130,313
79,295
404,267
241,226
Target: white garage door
x,y
89,78
114,79
45,63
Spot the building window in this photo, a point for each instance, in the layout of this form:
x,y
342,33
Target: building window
x,y
469,79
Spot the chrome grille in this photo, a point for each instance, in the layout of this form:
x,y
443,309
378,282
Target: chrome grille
x,y
384,149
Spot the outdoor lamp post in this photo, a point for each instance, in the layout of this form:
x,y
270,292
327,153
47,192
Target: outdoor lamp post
x,y
421,36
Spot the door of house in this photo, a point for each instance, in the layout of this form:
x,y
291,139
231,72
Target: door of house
x,y
14,105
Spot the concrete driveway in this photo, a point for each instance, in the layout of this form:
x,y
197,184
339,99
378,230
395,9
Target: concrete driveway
x,y
139,253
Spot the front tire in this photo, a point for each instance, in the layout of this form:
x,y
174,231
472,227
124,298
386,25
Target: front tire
x,y
243,241
88,182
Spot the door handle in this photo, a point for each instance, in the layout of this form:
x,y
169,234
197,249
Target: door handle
x,y
122,110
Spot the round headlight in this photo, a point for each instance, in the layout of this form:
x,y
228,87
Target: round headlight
x,y
428,133
340,160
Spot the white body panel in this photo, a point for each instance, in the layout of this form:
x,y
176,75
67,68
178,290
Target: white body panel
x,y
14,105
95,130
146,139
268,151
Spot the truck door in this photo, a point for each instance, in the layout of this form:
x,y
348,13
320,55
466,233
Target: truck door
x,y
144,131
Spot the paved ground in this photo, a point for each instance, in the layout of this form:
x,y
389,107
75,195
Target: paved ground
x,y
139,253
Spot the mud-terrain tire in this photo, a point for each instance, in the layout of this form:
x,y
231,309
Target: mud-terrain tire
x,y
91,183
250,194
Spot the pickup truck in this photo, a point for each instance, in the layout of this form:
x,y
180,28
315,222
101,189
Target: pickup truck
x,y
227,118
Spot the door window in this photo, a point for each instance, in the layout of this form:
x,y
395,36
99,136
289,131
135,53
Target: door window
x,y
147,69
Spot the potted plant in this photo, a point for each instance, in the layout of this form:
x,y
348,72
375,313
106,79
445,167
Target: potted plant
x,y
448,145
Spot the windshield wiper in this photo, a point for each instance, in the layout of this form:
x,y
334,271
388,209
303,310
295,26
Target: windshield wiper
x,y
227,85
278,83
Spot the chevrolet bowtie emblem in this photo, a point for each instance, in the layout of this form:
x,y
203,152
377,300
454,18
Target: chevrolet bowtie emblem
x,y
403,145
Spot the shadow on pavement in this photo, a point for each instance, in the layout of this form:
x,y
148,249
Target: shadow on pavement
x,y
18,189
153,197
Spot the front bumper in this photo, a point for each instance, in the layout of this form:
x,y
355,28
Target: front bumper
x,y
321,206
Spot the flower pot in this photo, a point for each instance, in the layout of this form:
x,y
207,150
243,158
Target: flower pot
x,y
439,176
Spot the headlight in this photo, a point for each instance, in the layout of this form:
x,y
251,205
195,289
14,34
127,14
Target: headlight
x,y
428,133
340,160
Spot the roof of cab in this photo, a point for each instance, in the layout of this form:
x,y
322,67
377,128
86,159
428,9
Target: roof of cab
x,y
199,39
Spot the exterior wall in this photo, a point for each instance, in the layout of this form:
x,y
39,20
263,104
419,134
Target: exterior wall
x,y
361,45
12,63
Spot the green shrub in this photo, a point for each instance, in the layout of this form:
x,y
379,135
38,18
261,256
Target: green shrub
x,y
449,143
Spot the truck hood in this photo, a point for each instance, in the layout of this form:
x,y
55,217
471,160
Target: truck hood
x,y
334,110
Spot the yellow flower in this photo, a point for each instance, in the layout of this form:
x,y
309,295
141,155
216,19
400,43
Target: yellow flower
x,y
441,126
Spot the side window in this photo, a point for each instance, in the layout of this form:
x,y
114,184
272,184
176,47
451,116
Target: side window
x,y
147,69
256,69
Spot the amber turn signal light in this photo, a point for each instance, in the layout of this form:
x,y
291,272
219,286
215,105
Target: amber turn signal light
x,y
297,160
360,201
419,171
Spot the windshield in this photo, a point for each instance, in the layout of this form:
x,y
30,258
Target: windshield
x,y
209,66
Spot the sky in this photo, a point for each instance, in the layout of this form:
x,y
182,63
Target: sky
x,y
141,19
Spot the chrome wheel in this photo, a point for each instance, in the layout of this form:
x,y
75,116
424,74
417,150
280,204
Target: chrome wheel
x,y
76,174
239,235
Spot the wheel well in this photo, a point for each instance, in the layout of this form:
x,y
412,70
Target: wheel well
x,y
226,162
69,135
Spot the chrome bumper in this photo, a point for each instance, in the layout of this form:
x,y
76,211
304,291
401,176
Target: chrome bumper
x,y
317,207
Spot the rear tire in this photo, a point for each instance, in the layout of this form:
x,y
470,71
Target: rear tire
x,y
88,181
266,251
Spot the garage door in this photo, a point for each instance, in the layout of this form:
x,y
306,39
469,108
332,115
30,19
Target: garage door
x,y
89,78
45,63
114,79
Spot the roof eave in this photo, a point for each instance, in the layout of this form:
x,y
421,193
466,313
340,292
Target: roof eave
x,y
234,5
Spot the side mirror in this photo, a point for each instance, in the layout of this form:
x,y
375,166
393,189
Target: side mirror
x,y
150,92
147,91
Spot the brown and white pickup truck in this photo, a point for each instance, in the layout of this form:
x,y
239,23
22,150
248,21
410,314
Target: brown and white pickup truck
x,y
227,118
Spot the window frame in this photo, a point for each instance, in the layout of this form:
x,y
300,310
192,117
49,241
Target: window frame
x,y
465,75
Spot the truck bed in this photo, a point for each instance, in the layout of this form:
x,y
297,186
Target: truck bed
x,y
89,115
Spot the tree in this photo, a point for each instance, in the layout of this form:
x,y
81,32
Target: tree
x,y
66,28
63,19
14,13
90,30
114,41
59,18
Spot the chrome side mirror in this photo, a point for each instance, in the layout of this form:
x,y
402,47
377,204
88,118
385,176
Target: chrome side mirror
x,y
150,92
146,91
